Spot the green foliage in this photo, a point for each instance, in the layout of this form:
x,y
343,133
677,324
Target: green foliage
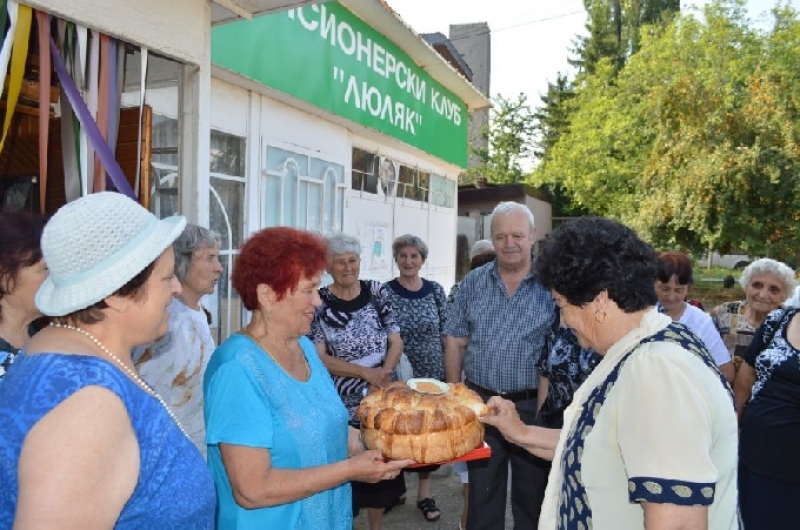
x,y
552,118
613,29
695,142
509,135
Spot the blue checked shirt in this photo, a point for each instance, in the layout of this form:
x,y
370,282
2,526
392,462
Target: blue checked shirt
x,y
505,335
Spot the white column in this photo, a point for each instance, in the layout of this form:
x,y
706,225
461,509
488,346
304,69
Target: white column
x,y
255,152
195,132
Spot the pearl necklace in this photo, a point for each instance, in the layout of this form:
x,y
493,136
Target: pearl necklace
x,y
132,374
261,345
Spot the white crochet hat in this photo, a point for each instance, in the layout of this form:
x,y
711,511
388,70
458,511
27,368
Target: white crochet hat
x,y
97,244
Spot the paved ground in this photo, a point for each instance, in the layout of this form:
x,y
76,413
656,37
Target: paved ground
x,y
445,488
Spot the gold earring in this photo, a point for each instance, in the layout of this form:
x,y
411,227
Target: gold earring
x,y
600,319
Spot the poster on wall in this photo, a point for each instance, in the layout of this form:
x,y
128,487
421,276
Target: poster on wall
x,y
379,248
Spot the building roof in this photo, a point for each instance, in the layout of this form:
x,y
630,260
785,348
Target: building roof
x,y
498,192
380,16
229,10
445,48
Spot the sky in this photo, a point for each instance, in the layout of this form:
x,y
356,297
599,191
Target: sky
x,y
531,39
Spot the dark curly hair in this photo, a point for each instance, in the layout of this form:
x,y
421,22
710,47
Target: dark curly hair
x,y
20,235
584,257
279,257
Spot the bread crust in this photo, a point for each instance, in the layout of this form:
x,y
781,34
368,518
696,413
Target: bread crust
x,y
426,428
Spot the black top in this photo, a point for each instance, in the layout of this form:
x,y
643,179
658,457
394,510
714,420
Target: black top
x,y
771,422
566,365
7,355
8,352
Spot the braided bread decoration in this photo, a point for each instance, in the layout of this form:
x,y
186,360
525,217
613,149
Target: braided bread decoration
x,y
426,428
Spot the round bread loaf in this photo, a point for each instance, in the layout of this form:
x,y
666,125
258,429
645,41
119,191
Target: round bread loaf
x,y
427,428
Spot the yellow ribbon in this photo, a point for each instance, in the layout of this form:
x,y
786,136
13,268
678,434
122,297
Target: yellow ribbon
x,y
19,55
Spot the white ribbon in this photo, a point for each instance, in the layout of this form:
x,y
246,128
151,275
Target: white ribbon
x,y
142,88
5,52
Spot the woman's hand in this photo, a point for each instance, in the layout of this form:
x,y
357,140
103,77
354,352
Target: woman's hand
x,y
369,466
539,441
377,377
355,445
503,415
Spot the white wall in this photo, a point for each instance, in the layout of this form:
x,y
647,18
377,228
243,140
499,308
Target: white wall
x,y
373,218
230,108
177,28
282,125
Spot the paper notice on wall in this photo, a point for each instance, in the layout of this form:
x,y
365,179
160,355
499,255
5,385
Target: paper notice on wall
x,y
379,248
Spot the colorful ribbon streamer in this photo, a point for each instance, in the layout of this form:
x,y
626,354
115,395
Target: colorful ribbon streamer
x,y
142,86
5,52
70,128
43,23
92,75
3,14
89,125
103,86
116,85
19,55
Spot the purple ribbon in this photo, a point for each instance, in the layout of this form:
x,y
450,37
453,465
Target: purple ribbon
x,y
90,126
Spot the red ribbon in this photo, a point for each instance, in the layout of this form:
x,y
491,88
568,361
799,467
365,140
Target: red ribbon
x,y
43,21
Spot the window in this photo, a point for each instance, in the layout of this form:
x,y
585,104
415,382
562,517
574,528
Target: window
x,y
442,192
380,175
364,175
164,166
413,184
303,191
226,217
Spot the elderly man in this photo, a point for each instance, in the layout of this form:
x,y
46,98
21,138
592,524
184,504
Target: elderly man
x,y
175,365
496,330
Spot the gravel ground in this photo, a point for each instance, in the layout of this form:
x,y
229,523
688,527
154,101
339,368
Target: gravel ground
x,y
445,488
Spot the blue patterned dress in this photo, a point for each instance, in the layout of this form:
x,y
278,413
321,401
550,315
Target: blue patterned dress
x,y
175,488
421,316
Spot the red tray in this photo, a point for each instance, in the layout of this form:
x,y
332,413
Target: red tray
x,y
478,453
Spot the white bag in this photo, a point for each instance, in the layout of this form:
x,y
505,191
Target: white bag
x,y
404,369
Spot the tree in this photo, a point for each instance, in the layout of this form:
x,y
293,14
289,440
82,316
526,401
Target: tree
x,y
592,160
696,141
509,137
552,117
614,27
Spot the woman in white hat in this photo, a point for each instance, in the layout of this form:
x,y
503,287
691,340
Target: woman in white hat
x,y
85,443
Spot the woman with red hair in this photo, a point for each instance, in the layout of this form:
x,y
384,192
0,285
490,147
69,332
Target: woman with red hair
x,y
279,446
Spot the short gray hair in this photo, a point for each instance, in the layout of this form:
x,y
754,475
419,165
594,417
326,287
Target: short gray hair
x,y
341,243
409,240
770,266
192,239
482,246
507,207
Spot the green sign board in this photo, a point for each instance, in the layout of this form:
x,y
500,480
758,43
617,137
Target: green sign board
x,y
326,56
